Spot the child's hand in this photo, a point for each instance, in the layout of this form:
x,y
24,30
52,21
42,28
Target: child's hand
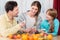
x,y
28,30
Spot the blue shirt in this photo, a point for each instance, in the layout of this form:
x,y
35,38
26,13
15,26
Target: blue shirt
x,y
45,25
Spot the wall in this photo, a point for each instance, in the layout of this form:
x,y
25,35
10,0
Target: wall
x,y
24,5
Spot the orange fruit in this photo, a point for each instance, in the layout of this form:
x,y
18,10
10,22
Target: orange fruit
x,y
18,36
40,38
30,38
10,36
35,38
33,35
24,37
23,34
50,37
37,35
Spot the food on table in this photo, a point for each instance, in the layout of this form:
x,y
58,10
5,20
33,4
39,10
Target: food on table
x,y
14,36
27,36
50,36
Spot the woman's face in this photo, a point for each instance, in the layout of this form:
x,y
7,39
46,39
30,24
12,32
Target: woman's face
x,y
34,10
48,17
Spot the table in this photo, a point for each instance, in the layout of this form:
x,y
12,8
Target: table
x,y
55,38
8,39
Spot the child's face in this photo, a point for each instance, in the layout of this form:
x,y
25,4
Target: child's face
x,y
48,17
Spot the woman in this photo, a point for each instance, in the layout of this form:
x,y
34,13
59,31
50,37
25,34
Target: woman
x,y
31,17
51,24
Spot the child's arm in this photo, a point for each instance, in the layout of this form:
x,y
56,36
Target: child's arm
x,y
56,27
43,26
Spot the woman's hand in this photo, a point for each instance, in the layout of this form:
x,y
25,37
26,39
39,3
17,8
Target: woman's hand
x,y
33,30
28,30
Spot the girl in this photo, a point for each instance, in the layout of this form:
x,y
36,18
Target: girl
x,y
51,24
31,17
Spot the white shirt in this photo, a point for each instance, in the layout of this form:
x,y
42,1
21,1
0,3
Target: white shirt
x,y
30,21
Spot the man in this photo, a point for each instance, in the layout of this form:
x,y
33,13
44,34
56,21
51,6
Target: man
x,y
8,24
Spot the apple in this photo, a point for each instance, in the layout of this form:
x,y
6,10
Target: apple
x,y
14,36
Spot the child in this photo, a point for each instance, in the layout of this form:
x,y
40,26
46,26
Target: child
x,y
51,24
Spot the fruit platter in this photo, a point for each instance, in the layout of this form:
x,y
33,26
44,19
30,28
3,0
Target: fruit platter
x,y
28,36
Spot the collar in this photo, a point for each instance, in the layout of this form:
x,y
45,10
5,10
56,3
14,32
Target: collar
x,y
8,18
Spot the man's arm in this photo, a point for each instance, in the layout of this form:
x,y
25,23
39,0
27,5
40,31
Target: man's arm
x,y
5,32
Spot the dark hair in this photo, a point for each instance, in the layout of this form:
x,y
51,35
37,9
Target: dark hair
x,y
52,13
38,4
10,5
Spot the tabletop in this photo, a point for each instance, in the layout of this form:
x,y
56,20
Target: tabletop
x,y
54,38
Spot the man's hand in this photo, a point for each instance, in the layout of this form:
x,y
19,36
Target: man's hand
x,y
22,24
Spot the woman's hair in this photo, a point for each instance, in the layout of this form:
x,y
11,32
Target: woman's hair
x,y
52,13
38,4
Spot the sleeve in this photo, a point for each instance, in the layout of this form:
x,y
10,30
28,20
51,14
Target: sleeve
x,y
43,26
5,32
56,27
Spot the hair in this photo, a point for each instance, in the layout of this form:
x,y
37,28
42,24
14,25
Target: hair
x,y
38,5
52,13
10,5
